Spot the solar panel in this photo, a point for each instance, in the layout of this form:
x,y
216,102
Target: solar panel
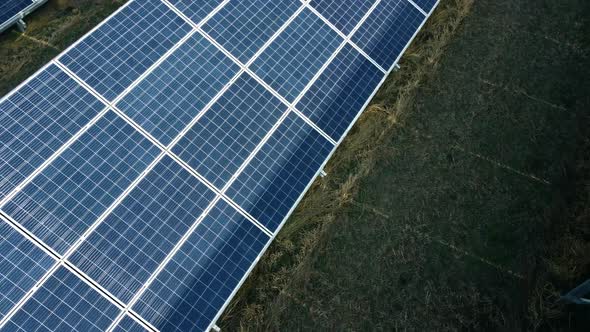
x,y
64,303
167,100
426,5
37,120
68,196
196,11
10,8
242,27
388,30
342,89
280,171
291,61
344,14
125,249
127,324
195,284
228,133
113,56
22,264
145,171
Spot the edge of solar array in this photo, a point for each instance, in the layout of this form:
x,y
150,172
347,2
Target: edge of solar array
x,y
50,62
21,14
232,295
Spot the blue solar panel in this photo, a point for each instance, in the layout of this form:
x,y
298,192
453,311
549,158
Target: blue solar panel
x,y
37,120
227,133
426,5
127,324
242,27
61,203
291,60
344,14
190,291
168,99
338,95
130,244
279,173
64,303
118,52
196,10
22,265
387,31
10,8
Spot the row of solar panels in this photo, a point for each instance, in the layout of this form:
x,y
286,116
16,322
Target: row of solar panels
x,y
11,11
147,168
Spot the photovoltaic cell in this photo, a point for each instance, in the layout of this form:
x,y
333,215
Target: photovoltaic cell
x,y
387,31
224,137
64,303
242,27
338,95
196,10
118,52
426,5
298,53
166,101
344,14
127,324
22,265
126,249
279,173
12,7
37,120
192,288
61,203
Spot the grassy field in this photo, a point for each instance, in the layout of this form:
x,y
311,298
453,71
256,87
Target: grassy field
x,y
459,201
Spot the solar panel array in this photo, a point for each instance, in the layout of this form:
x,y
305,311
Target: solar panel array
x,y
146,169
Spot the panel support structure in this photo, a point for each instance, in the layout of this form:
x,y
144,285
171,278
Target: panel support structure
x,y
578,295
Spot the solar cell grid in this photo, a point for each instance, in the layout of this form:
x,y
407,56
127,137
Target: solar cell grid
x,y
37,119
197,11
64,303
298,53
124,251
335,99
344,14
22,265
12,7
67,197
127,324
168,99
218,144
122,49
279,173
387,31
195,284
242,27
